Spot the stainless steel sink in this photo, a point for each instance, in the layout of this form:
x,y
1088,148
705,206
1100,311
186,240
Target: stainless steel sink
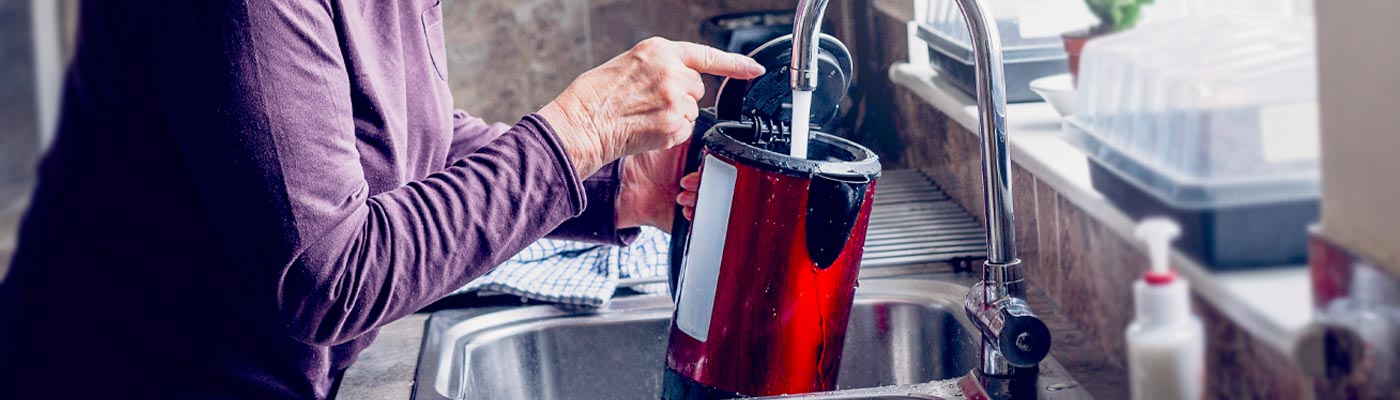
x,y
908,339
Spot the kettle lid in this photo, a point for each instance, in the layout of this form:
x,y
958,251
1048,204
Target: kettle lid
x,y
768,98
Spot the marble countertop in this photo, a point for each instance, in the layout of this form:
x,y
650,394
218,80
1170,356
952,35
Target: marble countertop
x,y
1250,297
385,369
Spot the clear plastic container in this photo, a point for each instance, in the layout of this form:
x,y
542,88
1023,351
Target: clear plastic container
x,y
1028,28
1204,112
1212,121
1030,37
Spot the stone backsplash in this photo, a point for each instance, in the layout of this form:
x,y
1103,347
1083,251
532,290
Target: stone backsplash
x,y
507,58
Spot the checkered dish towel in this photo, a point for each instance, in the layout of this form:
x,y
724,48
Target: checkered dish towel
x,y
577,273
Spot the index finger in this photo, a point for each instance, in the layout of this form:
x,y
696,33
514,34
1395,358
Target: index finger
x,y
709,60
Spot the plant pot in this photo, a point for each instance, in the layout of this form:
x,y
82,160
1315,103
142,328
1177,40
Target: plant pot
x,y
1074,44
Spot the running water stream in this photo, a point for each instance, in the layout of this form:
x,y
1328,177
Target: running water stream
x,y
801,120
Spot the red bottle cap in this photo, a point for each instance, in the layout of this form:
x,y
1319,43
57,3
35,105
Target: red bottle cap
x,y
1160,278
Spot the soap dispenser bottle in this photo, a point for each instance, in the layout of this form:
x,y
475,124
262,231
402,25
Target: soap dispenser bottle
x,y
1166,342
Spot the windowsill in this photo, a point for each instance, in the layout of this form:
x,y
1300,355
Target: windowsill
x,y
1250,298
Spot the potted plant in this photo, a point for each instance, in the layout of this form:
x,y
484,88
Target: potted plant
x,y
1114,16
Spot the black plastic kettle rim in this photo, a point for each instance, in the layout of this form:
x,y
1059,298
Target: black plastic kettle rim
x,y
862,162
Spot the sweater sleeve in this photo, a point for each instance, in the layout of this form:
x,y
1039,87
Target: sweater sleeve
x,y
597,224
470,134
265,123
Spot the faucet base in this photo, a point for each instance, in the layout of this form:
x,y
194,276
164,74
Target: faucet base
x,y
976,386
995,364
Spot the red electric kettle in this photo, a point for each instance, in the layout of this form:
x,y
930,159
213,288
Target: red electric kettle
x,y
765,275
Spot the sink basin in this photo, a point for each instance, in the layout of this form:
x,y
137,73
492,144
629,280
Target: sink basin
x,y
907,339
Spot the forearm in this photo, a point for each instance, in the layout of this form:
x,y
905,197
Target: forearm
x,y
405,248
604,221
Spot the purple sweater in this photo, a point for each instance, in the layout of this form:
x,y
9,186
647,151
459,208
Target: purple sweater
x,y
242,192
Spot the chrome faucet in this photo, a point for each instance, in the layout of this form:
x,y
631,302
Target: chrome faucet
x,y
806,27
1014,339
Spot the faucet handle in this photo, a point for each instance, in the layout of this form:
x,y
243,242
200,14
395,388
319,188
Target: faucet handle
x,y
1023,338
1008,324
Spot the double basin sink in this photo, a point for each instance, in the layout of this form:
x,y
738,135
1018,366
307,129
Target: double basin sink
x,y
907,339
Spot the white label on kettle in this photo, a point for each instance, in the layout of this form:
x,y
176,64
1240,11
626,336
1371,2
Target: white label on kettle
x,y
705,251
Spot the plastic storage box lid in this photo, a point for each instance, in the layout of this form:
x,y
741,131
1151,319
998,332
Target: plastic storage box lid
x,y
1030,29
1204,112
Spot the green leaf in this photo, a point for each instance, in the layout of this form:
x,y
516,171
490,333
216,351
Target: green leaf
x,y
1130,17
1116,15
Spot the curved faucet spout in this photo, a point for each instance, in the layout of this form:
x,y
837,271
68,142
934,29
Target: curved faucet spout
x,y
991,107
807,24
1014,339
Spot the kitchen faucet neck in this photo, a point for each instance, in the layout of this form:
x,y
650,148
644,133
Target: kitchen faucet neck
x,y
991,107
807,26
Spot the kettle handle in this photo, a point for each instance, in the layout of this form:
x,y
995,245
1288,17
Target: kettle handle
x,y
680,226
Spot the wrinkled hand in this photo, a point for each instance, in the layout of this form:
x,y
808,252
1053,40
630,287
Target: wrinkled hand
x,y
644,99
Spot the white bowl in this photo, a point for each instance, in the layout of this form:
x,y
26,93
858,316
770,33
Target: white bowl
x,y
1058,90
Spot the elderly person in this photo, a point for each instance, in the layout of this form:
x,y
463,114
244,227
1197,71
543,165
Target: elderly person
x,y
242,192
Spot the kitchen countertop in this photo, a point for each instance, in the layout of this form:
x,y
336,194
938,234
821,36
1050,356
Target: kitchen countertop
x,y
14,200
385,369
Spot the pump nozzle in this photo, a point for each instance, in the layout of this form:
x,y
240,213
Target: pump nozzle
x,y
1158,233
